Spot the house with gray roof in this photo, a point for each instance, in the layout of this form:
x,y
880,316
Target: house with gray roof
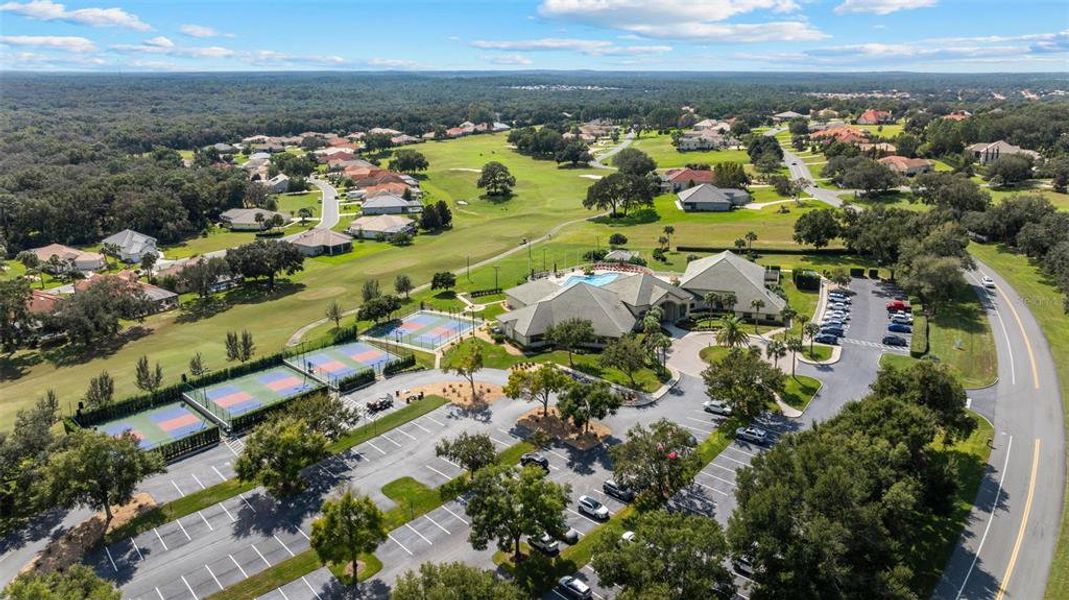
x,y
249,219
729,273
279,184
641,292
133,246
381,227
316,242
530,293
707,197
527,326
390,204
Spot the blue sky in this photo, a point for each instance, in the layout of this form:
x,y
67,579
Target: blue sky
x,y
701,35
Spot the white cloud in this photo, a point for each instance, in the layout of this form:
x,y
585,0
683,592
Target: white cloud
x,y
201,31
510,59
46,10
691,20
58,42
163,45
392,63
588,47
271,57
881,7
160,42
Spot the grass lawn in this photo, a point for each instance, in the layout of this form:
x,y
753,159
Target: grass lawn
x,y
661,150
1060,201
939,535
1045,302
798,391
712,354
289,204
959,335
886,131
495,357
216,238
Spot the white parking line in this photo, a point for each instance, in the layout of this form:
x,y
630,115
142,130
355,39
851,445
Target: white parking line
x,y
735,460
194,476
436,524
160,538
111,560
257,550
702,421
160,594
389,439
510,434
413,530
183,528
450,462
747,453
136,549
242,496
579,514
709,487
218,473
214,578
369,443
437,471
454,514
223,506
497,441
284,596
180,492
189,587
283,545
557,454
310,588
433,420
713,464
732,484
425,430
243,573
705,431
210,528
390,535
301,531
408,435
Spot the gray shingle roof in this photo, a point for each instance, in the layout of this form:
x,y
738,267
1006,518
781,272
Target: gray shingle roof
x,y
641,290
710,194
602,308
131,242
728,272
533,291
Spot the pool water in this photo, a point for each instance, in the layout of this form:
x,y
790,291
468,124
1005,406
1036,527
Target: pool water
x,y
595,280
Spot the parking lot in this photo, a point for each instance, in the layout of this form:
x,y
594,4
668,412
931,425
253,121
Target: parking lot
x,y
866,325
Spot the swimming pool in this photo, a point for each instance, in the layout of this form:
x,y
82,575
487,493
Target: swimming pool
x,y
595,280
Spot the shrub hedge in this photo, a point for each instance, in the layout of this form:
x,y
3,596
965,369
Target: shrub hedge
x,y
399,364
766,251
356,380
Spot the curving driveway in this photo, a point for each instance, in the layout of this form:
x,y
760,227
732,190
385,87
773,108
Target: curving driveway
x,y
329,212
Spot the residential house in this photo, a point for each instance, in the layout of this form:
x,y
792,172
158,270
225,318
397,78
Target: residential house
x,y
316,242
712,125
586,138
223,148
907,166
249,219
841,133
389,204
706,197
379,227
279,184
159,298
958,115
393,188
875,117
42,303
674,180
619,255
729,273
383,131
706,139
170,277
405,139
877,150
68,259
991,151
787,116
133,246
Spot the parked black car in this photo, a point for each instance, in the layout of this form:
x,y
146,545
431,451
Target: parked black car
x,y
894,340
618,490
534,458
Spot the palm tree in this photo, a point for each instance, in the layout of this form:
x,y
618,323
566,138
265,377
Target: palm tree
x,y
795,345
304,213
663,242
756,304
740,244
731,333
110,250
751,237
668,231
32,264
776,350
788,313
810,330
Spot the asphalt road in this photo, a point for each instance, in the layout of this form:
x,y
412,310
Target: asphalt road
x,y
329,206
1008,544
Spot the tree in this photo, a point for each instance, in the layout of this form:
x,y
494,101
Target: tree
x,y
443,280
33,265
497,179
196,365
15,297
334,313
264,258
775,350
402,284
148,261
668,231
750,237
350,525
744,381
97,470
795,346
101,391
506,503
1011,168
632,161
110,250
467,365
571,334
325,413
730,333
96,313
656,462
619,191
408,161
536,385
756,305
583,402
370,290
810,331
276,452
761,145
617,239
574,152
472,452
203,275
683,553
730,175
146,378
233,346
456,581
624,354
379,308
77,582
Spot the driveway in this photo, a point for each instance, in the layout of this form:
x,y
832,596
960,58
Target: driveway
x,y
329,207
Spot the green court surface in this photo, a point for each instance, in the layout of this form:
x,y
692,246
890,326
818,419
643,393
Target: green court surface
x,y
160,425
252,392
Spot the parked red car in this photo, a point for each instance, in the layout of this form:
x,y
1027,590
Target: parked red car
x,y
898,305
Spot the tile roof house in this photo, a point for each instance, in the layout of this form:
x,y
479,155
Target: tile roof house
x,y
380,227
875,117
958,115
878,149
992,151
159,298
907,166
43,303
69,258
316,242
383,131
677,179
841,133
249,219
172,272
133,246
394,188
728,272
404,139
709,198
389,204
